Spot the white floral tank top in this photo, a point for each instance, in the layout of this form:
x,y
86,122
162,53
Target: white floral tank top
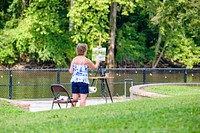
x,y
80,74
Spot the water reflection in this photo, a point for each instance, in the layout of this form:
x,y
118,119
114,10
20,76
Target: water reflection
x,y
36,84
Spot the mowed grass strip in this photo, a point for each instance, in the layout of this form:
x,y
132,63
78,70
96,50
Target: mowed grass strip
x,y
178,113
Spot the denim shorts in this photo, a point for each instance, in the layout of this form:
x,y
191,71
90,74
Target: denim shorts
x,y
80,87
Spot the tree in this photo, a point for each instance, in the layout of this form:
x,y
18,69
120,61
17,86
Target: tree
x,y
178,23
125,7
41,34
135,38
111,43
90,19
4,15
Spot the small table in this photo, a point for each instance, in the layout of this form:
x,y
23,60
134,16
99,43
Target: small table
x,y
103,81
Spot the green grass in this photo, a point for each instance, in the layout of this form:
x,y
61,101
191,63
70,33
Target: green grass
x,y
179,113
175,90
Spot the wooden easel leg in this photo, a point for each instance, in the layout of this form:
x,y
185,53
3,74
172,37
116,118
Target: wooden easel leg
x,y
108,90
103,90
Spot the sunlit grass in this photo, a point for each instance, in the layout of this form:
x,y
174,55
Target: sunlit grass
x,y
180,113
174,90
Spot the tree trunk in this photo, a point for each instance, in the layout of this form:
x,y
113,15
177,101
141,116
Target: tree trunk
x,y
156,60
161,54
111,44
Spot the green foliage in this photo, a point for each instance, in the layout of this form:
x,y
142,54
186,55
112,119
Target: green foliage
x,y
42,34
8,53
90,19
4,15
16,8
131,44
127,7
174,90
134,38
45,31
183,50
39,29
170,114
178,22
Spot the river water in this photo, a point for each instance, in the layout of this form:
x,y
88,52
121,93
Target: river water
x,y
36,84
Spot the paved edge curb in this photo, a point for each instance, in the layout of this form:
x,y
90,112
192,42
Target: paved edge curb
x,y
138,90
21,104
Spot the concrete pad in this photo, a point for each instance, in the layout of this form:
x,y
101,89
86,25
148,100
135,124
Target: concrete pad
x,y
45,104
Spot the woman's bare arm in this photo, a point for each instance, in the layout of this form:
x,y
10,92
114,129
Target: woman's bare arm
x,y
71,70
93,66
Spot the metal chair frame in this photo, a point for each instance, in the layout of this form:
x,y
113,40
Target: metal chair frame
x,y
56,89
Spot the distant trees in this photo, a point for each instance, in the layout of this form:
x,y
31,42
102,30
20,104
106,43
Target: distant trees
x,y
40,33
136,32
179,32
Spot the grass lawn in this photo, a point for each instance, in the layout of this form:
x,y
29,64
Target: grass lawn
x,y
179,113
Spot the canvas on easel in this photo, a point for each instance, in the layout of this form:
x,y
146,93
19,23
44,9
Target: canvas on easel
x,y
100,53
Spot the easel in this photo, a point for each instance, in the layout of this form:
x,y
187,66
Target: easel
x,y
103,79
104,82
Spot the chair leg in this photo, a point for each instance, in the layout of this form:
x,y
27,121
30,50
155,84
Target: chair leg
x,y
59,105
72,104
52,106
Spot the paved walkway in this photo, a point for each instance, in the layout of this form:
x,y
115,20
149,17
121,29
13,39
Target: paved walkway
x,y
135,91
45,104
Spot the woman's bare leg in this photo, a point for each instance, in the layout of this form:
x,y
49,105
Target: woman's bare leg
x,y
83,99
75,97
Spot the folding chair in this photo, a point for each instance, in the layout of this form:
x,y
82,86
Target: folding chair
x,y
57,90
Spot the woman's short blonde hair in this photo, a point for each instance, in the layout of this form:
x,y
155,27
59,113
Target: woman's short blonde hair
x,y
81,48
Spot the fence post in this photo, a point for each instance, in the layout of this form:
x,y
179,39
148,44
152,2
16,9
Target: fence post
x,y
58,76
10,85
185,76
144,76
126,80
